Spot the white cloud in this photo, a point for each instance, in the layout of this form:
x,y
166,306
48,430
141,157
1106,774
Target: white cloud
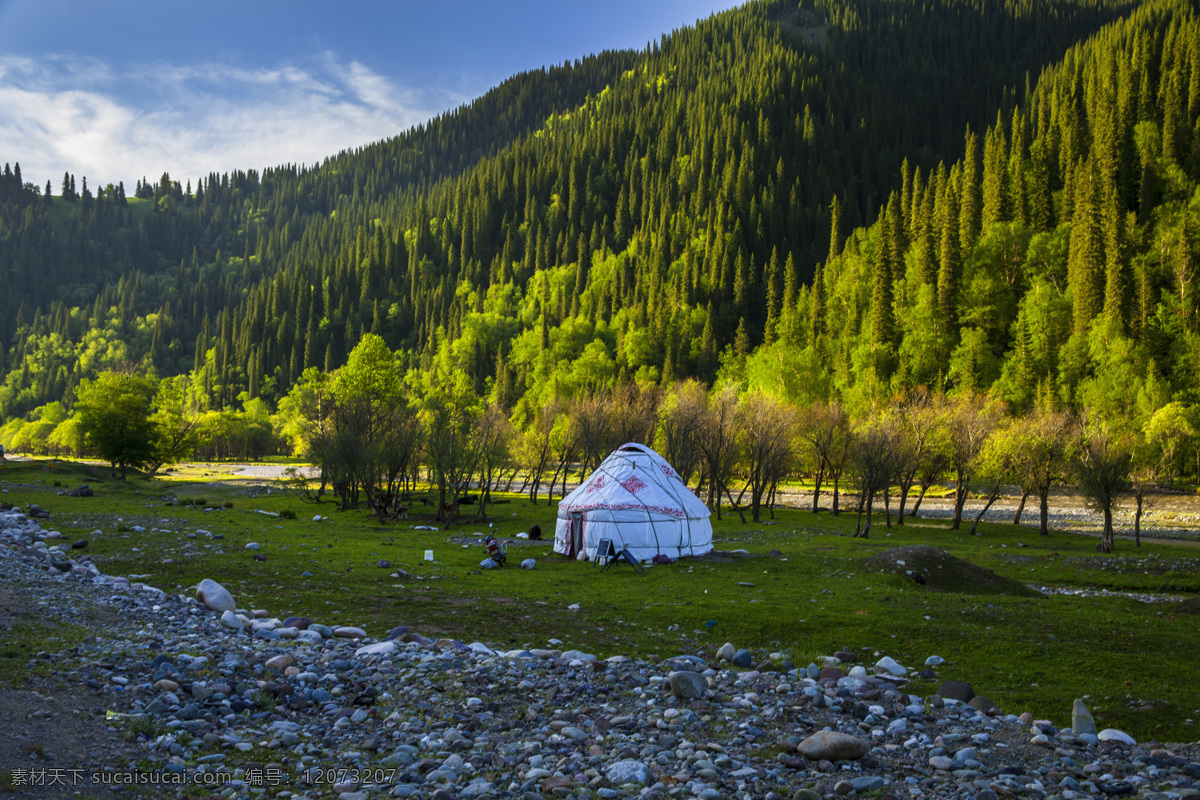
x,y
91,118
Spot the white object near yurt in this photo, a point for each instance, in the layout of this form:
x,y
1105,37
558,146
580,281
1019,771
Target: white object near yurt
x,y
636,500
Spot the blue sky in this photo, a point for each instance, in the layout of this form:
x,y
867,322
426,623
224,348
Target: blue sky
x,y
117,91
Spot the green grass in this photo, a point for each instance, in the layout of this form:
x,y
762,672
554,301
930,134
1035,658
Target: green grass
x,y
23,640
1130,660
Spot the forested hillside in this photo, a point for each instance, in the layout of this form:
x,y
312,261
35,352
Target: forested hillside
x,y
1026,173
651,203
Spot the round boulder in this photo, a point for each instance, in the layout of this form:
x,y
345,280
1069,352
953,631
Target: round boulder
x,y
833,746
214,596
956,690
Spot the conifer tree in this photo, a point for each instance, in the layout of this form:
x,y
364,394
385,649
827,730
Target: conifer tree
x,y
970,210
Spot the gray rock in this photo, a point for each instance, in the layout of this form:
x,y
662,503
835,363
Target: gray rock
x,y
942,763
984,705
1114,735
726,652
577,734
867,783
687,685
231,620
1081,719
832,746
956,690
743,659
252,546
628,771
214,596
385,648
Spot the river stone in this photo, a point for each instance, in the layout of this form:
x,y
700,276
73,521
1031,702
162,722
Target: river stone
x,y
984,706
299,623
279,662
743,659
1114,735
956,690
215,596
943,763
687,685
231,620
890,666
831,746
377,649
1081,719
866,783
349,632
726,652
628,771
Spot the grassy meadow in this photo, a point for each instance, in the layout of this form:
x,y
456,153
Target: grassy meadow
x,y
1134,662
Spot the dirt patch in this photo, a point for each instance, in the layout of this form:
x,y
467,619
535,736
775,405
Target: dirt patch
x,y
721,556
939,571
55,740
1189,606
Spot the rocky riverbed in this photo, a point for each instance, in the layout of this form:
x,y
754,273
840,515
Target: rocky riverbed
x,y
245,705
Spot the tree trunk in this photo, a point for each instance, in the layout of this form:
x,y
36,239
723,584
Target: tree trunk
x,y
484,496
979,517
917,505
736,507
1137,521
961,488
858,516
1021,507
903,487
1106,538
816,508
834,508
1044,511
887,508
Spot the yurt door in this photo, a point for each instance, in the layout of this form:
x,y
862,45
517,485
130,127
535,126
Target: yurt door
x,y
576,532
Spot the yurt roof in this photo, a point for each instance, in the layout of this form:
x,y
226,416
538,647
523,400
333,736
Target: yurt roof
x,y
634,477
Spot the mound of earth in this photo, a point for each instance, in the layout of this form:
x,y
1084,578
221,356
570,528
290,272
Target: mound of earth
x,y
1189,606
938,570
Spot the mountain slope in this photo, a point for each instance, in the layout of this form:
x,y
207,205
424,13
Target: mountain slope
x,y
678,209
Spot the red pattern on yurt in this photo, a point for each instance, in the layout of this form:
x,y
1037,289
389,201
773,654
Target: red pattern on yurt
x,y
633,484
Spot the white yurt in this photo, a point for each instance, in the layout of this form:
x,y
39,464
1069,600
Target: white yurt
x,y
636,501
